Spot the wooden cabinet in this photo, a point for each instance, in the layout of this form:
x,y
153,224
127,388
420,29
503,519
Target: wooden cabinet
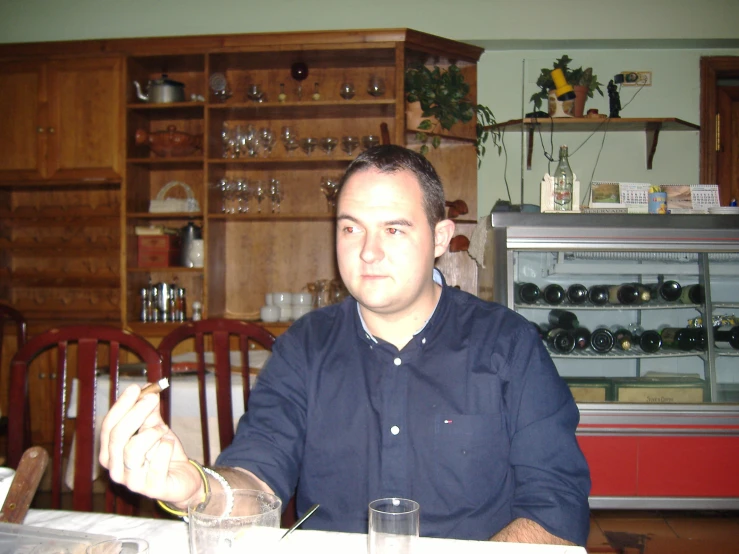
x,y
62,120
260,239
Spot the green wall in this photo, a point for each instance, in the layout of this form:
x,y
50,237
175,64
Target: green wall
x,y
667,37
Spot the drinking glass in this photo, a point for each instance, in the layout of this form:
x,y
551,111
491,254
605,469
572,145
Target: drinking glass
x,y
308,145
328,144
376,86
253,523
393,526
275,195
349,144
290,141
266,140
258,192
368,141
329,188
255,93
119,546
243,193
346,90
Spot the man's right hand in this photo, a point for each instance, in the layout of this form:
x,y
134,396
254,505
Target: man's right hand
x,y
143,454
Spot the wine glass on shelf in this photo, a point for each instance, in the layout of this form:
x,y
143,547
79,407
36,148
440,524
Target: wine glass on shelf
x,y
275,195
267,140
329,188
289,137
255,93
328,144
349,144
376,86
259,192
346,90
299,72
368,141
228,139
308,145
243,192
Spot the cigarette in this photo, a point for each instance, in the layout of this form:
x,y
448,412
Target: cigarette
x,y
154,388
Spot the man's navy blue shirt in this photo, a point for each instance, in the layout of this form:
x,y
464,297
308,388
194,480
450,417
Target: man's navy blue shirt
x,y
470,419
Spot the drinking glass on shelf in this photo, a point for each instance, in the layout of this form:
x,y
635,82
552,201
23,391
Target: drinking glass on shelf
x,y
376,86
328,144
255,93
329,188
228,190
349,144
275,195
308,145
243,193
247,141
228,140
258,192
368,141
289,137
346,90
267,140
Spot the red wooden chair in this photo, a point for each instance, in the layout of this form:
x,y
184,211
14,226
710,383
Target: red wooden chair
x,y
8,316
88,341
220,332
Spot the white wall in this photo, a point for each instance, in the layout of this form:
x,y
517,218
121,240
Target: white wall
x,y
666,37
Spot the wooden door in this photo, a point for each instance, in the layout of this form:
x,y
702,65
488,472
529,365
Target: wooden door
x,y
719,138
85,115
23,126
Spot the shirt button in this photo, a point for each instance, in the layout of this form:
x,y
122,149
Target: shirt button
x,y
423,340
397,361
395,429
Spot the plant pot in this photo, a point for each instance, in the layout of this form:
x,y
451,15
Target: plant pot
x,y
413,119
581,96
559,108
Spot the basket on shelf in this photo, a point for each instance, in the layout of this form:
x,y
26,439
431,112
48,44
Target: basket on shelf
x,y
161,204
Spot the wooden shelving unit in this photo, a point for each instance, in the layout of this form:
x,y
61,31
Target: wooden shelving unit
x,y
650,126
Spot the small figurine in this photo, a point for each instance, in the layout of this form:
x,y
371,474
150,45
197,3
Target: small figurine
x,y
614,100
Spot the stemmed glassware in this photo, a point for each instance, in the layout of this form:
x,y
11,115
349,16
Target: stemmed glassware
x,y
289,139
328,144
275,195
308,145
243,193
349,144
368,141
329,188
259,192
255,93
267,140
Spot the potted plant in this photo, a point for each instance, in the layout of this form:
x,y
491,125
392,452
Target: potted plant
x,y
443,97
583,80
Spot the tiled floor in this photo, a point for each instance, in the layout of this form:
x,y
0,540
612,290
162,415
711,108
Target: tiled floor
x,y
673,532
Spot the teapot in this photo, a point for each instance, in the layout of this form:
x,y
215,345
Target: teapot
x,y
161,91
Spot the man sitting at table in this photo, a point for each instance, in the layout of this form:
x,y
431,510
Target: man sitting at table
x,y
409,388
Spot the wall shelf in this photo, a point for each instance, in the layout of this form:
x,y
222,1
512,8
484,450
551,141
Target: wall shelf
x,y
651,126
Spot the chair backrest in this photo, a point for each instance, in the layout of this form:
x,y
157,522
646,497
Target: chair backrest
x,y
219,332
89,341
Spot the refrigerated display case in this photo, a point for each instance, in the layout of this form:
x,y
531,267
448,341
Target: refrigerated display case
x,y
659,429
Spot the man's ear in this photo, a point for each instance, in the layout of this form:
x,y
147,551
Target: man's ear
x,y
443,233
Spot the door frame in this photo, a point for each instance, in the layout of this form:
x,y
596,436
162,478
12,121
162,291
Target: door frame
x,y
712,68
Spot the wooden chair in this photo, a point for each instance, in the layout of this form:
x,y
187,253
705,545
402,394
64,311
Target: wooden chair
x,y
9,315
220,332
91,343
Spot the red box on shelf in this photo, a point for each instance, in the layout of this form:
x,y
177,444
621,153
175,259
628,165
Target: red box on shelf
x,y
158,251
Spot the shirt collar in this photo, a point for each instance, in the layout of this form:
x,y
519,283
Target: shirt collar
x,y
438,279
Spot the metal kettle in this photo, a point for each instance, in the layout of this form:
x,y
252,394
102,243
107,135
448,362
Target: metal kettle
x,y
161,91
188,234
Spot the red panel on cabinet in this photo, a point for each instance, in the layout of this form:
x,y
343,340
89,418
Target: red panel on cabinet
x,y
688,466
613,464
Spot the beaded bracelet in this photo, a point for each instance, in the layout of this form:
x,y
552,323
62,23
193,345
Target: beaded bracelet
x,y
201,470
227,490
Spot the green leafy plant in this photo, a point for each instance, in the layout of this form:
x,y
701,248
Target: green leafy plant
x,y
444,96
579,76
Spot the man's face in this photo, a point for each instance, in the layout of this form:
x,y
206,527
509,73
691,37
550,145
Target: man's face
x,y
384,244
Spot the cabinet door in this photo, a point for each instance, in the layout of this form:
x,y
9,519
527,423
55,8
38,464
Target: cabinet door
x,y
23,129
85,119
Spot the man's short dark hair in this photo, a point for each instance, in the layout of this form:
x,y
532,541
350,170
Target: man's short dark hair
x,y
390,158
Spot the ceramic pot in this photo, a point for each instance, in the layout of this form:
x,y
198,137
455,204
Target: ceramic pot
x,y
559,108
170,142
581,96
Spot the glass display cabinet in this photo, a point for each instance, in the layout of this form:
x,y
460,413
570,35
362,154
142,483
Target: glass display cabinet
x,y
640,314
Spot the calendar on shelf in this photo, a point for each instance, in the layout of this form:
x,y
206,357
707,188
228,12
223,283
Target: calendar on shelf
x,y
634,197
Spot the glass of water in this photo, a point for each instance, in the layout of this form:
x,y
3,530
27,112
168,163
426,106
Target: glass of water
x,y
393,526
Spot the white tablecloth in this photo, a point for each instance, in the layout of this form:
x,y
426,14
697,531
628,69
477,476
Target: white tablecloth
x,y
185,413
166,536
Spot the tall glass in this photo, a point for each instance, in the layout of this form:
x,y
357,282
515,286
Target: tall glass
x,y
253,522
393,526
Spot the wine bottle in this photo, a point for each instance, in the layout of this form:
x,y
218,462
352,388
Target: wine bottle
x,y
598,295
577,294
699,336
623,294
677,338
645,295
601,340
726,337
563,319
561,340
554,294
669,291
582,337
527,293
692,294
649,341
622,337
563,182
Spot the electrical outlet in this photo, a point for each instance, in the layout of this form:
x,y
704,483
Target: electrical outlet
x,y
637,78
